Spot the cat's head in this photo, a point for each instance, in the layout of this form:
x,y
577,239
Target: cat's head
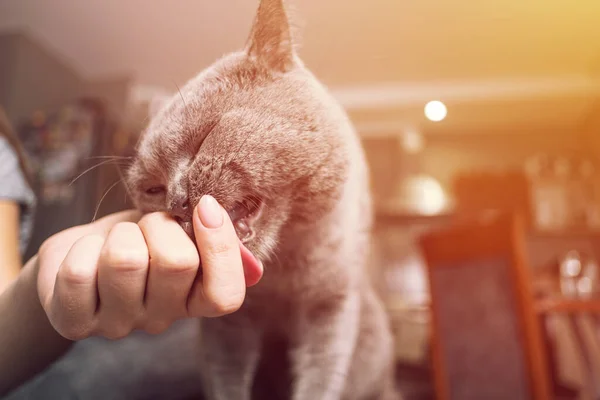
x,y
256,131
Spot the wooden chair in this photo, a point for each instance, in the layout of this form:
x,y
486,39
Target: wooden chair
x,y
487,341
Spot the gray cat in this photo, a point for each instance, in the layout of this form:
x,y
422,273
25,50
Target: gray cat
x,y
258,132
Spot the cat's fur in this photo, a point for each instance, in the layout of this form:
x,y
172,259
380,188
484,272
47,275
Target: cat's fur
x,y
258,125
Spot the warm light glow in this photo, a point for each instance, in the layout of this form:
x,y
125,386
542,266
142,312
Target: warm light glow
x,y
424,195
584,286
435,111
412,142
571,265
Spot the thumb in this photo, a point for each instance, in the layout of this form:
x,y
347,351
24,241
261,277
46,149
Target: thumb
x,y
222,288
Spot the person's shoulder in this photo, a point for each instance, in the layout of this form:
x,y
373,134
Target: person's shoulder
x,y
8,156
9,160
14,187
12,178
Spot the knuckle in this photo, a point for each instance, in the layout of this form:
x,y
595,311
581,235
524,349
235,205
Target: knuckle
x,y
178,261
157,327
71,271
70,275
121,254
45,246
126,259
49,244
91,240
124,227
73,334
117,331
58,239
72,331
151,218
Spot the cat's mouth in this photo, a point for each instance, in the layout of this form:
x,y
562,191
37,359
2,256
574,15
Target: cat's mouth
x,y
243,214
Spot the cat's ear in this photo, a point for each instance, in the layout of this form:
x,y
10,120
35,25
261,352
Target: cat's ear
x,y
270,41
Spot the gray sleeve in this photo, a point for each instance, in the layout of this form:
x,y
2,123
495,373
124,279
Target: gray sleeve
x,y
13,186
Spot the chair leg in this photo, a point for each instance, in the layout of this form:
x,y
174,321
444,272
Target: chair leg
x,y
591,382
559,390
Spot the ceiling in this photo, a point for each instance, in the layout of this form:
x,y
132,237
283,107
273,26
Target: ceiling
x,y
515,65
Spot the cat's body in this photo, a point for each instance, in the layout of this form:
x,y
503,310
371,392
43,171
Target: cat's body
x,y
257,125
316,294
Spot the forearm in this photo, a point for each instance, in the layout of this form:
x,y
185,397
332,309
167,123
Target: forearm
x,y
8,273
10,256
28,343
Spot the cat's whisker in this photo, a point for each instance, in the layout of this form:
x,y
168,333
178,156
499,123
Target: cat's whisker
x,y
127,190
103,197
216,147
248,154
146,118
279,263
255,203
101,163
185,107
239,148
139,136
110,157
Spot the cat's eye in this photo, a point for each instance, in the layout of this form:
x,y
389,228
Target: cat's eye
x,y
155,190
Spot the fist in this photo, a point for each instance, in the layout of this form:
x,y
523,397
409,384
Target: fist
x,y
127,272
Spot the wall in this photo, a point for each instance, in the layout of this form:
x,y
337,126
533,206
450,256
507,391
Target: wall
x,y
113,91
443,157
592,137
382,156
39,80
33,78
7,64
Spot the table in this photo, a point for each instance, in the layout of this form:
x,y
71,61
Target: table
x,y
568,306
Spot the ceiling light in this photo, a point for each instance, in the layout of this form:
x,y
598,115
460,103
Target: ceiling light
x,y
435,110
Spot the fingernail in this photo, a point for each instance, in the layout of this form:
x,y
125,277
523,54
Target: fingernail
x,y
210,212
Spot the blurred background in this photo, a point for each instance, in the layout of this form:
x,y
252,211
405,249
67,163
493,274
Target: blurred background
x,y
463,107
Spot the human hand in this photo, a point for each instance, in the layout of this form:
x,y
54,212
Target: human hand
x,y
122,273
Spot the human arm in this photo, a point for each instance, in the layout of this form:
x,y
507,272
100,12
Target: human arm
x,y
114,276
17,202
28,343
10,257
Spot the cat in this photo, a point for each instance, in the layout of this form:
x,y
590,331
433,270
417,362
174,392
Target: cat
x,y
258,132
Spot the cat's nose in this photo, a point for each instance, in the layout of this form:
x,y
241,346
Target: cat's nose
x,y
180,209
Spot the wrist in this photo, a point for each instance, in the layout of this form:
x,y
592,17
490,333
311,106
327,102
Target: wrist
x,y
28,342
26,291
